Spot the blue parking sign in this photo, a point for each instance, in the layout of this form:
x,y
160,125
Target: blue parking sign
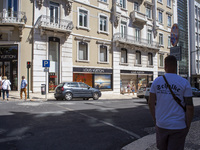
x,y
45,63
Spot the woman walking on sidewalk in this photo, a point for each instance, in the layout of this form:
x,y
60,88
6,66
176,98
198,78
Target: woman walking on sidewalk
x,y
5,87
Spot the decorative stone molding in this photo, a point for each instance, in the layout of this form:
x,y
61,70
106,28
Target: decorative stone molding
x,y
20,32
68,6
132,16
116,21
40,3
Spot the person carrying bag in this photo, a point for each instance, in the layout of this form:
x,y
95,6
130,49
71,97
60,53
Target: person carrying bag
x,y
5,87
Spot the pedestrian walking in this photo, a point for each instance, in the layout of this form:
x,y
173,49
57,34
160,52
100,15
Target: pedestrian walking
x,y
5,87
173,112
133,89
23,87
0,84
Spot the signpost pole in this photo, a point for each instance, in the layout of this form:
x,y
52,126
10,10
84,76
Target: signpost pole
x,y
46,84
28,82
46,65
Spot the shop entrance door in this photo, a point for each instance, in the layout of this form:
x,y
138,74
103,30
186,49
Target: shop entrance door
x,y
9,69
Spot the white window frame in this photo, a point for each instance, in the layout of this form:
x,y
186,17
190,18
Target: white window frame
x,y
104,1
148,12
136,5
54,19
88,19
140,57
169,3
123,2
161,55
12,9
161,40
169,42
126,56
123,29
88,52
150,61
149,36
107,24
160,12
137,34
169,24
107,47
196,11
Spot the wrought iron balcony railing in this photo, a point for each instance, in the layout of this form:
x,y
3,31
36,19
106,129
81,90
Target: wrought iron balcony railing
x,y
13,17
135,40
55,24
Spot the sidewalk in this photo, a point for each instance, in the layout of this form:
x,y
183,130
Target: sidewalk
x,y
15,95
149,142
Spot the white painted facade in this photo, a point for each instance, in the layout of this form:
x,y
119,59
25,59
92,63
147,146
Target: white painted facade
x,y
41,45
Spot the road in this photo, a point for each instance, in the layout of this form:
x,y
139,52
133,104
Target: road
x,y
74,125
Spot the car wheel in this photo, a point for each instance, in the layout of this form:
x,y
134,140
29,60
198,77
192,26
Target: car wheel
x,y
57,99
95,96
68,96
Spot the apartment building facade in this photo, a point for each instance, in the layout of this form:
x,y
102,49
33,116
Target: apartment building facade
x,y
52,41
141,41
15,43
92,43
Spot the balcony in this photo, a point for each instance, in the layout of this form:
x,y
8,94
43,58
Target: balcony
x,y
138,17
15,18
132,40
54,24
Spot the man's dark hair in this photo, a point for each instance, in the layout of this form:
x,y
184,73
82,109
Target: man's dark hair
x,y
171,61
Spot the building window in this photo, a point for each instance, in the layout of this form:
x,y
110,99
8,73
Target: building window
x,y
169,3
161,60
149,36
199,13
196,25
169,20
137,34
169,41
83,51
83,18
196,38
160,39
136,6
124,55
150,59
104,1
103,23
196,9
138,57
123,29
123,3
12,8
54,12
103,53
148,12
160,16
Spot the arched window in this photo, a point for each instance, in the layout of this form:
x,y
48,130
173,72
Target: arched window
x,y
150,59
138,57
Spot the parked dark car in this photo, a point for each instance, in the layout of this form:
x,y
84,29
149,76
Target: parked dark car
x,y
70,90
195,92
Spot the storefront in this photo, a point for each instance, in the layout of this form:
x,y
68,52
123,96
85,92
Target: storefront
x,y
9,64
134,78
94,77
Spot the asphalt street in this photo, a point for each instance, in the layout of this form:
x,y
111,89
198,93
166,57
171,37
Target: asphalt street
x,y
74,125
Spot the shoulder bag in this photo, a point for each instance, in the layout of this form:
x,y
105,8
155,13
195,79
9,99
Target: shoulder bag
x,y
174,96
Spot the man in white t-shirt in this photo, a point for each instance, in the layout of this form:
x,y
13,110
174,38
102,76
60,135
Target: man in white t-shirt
x,y
172,122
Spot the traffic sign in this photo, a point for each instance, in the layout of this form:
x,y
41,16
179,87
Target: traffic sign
x,y
45,63
174,35
176,51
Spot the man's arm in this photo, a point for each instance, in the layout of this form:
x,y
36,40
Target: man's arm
x,y
189,110
151,102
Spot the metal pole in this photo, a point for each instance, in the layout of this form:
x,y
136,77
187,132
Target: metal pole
x,y
46,84
28,82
